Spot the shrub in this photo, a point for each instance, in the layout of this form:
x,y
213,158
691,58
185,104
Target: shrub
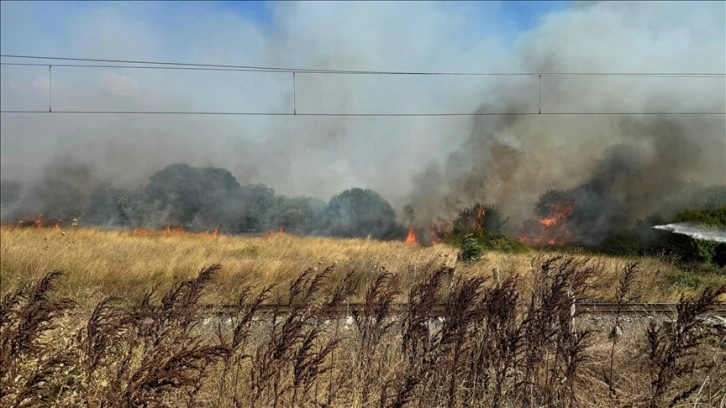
x,y
643,239
471,249
623,244
479,219
502,243
711,217
684,279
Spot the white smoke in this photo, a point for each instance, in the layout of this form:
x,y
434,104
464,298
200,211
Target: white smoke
x,y
507,163
695,231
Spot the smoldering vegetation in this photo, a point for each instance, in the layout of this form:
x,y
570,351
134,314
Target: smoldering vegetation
x,y
626,148
204,199
196,199
644,167
461,341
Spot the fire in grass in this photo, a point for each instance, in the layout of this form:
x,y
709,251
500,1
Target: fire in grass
x,y
169,231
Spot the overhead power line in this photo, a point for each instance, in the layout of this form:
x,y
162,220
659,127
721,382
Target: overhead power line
x,y
344,114
138,64
257,68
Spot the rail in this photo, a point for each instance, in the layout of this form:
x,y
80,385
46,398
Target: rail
x,y
400,308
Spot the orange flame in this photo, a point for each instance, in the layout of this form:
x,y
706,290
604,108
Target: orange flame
x,y
174,231
39,221
140,232
558,214
216,232
411,236
282,229
548,221
550,230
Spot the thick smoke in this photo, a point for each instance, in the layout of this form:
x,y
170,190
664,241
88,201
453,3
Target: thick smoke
x,y
196,199
643,167
616,167
62,192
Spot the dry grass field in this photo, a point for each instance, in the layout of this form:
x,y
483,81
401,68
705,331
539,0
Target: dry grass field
x,y
122,325
98,263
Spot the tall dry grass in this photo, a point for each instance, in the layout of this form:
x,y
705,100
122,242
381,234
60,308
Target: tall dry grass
x,y
100,263
494,344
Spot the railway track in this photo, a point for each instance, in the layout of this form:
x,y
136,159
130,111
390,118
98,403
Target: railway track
x,y
638,309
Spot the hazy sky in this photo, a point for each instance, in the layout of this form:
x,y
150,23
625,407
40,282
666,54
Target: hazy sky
x,y
321,156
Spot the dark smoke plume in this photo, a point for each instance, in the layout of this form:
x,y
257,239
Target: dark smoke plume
x,y
645,172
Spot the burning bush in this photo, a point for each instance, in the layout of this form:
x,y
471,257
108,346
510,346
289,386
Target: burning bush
x,y
479,219
478,228
553,210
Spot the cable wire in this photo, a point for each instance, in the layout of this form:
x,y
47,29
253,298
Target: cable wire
x,y
344,114
186,65
139,64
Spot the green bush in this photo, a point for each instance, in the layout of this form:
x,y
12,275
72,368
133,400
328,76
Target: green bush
x,y
502,243
478,228
715,217
684,279
643,239
688,249
624,244
472,246
471,249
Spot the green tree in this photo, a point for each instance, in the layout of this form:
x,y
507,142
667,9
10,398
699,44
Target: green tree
x,y
360,213
184,195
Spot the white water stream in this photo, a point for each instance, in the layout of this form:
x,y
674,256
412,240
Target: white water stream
x,y
694,231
